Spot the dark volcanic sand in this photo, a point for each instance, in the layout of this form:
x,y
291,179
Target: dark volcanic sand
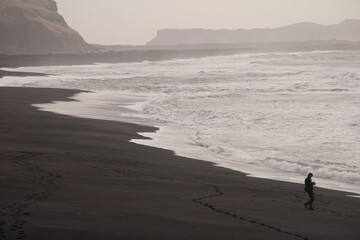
x,y
70,178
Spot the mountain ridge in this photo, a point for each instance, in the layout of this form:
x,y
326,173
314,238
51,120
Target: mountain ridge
x,y
347,30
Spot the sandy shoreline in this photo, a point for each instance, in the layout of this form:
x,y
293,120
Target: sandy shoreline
x,y
71,178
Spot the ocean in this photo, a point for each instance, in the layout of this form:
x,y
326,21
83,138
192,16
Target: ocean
x,y
272,115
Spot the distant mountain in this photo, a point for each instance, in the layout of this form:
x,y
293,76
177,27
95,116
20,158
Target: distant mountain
x,y
348,30
35,26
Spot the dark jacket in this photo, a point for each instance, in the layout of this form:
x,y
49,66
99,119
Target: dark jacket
x,y
309,185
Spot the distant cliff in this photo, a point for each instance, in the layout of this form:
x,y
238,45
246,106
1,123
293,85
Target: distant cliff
x,y
348,30
35,26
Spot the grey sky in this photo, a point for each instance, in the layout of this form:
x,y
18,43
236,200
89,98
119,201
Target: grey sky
x,y
136,21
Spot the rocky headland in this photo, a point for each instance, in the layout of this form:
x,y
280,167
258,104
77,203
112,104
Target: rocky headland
x,y
34,26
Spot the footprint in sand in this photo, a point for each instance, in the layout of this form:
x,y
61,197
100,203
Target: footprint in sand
x,y
213,208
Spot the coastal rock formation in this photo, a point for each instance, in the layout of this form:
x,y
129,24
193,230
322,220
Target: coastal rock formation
x,y
348,30
35,26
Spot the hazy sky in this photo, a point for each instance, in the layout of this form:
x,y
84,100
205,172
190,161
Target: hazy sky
x,y
136,21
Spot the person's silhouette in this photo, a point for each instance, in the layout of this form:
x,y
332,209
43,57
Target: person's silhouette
x,y
309,188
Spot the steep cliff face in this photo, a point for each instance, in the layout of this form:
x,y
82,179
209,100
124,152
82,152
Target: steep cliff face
x,y
35,26
348,30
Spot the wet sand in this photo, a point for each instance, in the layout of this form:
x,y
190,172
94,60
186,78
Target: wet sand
x,y
4,73
63,177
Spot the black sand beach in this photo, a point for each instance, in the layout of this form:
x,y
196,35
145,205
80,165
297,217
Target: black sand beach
x,y
70,178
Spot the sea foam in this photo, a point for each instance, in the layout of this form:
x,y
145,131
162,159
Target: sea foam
x,y
275,115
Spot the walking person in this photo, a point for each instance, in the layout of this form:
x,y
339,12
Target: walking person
x,y
309,188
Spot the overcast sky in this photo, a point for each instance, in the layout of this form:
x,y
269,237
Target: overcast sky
x,y
136,21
